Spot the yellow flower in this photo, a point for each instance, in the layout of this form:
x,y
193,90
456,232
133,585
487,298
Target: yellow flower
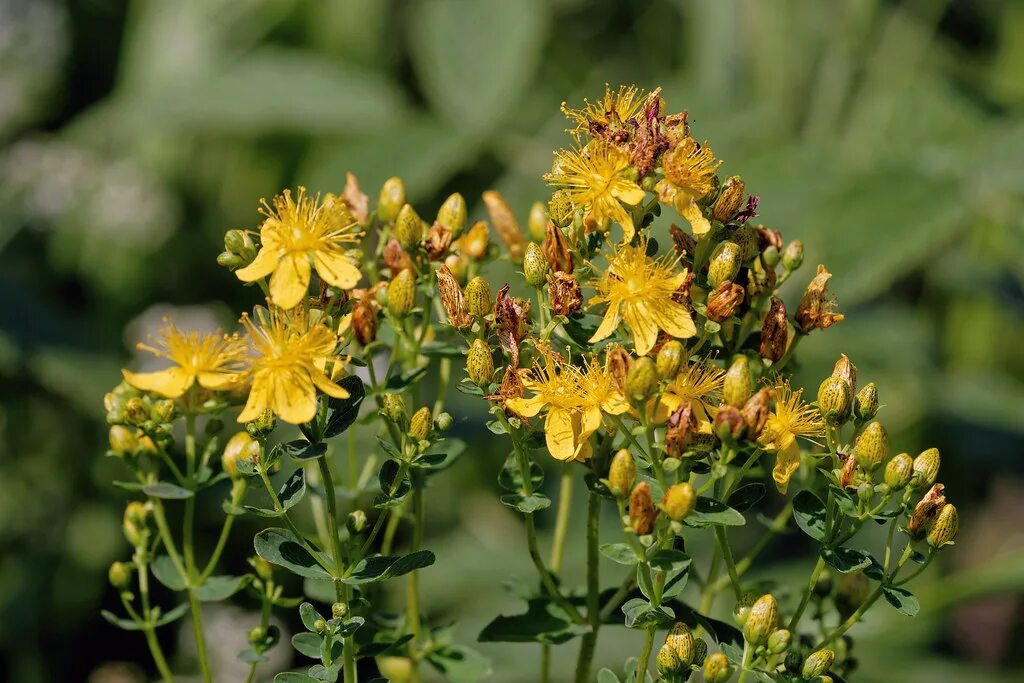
x,y
596,178
639,290
689,177
700,383
609,112
297,235
290,355
600,393
214,360
559,388
791,418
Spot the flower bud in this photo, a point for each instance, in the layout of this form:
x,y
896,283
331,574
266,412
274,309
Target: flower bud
x,y
926,469
774,331
535,264
136,512
871,446
755,412
793,662
402,293
505,225
162,410
393,406
669,359
560,207
834,399
700,651
479,363
452,214
621,473
262,425
729,423
122,440
779,641
240,446
865,491
419,425
724,300
730,199
136,411
845,370
319,626
793,256
339,610
725,263
134,523
762,620
119,575
408,227
391,200
642,379
899,471
443,422
355,523
226,259
737,385
263,569
667,662
478,297
717,668
537,222
235,241
680,639
817,663
945,526
679,501
641,510
865,404
364,322
742,610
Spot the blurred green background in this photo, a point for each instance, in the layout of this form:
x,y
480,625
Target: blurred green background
x,y
888,136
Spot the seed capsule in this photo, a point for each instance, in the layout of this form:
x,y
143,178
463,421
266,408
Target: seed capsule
x,y
865,404
478,297
945,526
834,399
749,241
793,256
872,446
730,199
621,473
452,214
669,359
679,501
393,406
779,641
667,662
738,384
479,363
642,379
899,471
817,663
240,446
419,425
537,222
725,263
680,639
408,227
641,510
926,469
402,293
762,620
535,264
119,575
717,668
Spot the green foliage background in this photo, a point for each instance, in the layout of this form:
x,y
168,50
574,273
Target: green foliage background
x,y
888,136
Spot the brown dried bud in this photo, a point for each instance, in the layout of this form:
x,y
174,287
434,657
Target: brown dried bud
x,y
680,430
683,241
452,299
847,475
769,237
556,249
364,321
355,199
505,225
724,300
565,293
729,422
775,331
815,309
755,412
642,512
618,362
510,317
396,258
439,240
511,387
730,199
846,371
927,509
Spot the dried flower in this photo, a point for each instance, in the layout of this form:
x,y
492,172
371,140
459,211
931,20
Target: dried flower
x,y
815,309
927,509
724,300
510,317
729,200
364,321
680,430
565,293
774,332
396,258
505,225
452,299
642,512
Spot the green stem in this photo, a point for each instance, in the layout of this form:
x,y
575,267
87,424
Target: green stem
x,y
412,589
562,518
589,641
197,625
645,655
158,656
340,589
723,543
151,640
188,550
238,489
291,525
745,662
808,591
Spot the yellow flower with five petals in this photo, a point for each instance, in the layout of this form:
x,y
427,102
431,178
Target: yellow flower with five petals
x,y
700,383
791,419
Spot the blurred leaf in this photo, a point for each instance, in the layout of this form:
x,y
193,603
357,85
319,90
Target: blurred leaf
x,y
846,560
382,567
902,599
218,588
167,574
281,547
163,489
543,622
460,664
809,513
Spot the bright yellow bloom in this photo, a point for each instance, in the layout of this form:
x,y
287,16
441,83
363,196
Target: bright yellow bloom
x,y
639,290
596,178
609,112
297,235
214,360
290,355
700,383
569,423
791,418
600,393
689,177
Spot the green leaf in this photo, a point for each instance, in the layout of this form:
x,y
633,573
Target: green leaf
x,y
846,560
543,622
460,664
526,504
381,567
294,677
218,588
167,574
746,497
404,380
163,489
281,547
392,490
309,616
902,599
641,614
124,624
440,455
809,513
622,553
301,450
606,675
711,511
289,495
510,477
389,448
172,615
344,411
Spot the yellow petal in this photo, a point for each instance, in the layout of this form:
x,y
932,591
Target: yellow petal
x,y
259,399
585,452
327,386
172,382
787,461
591,421
674,318
218,381
525,407
614,404
630,193
667,404
290,281
641,324
692,213
608,324
293,397
262,266
561,437
336,269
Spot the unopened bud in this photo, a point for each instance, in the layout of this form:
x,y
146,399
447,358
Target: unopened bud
x,y
256,635
452,214
535,264
560,207
392,199
641,510
443,422
679,501
669,359
865,491
478,297
725,263
700,651
474,243
750,242
763,618
537,222
621,473
943,529
730,199
793,662
756,411
871,446
642,379
834,399
729,424
817,663
319,625
771,256
680,639
339,610
667,662
899,471
408,227
355,522
479,363
393,406
262,425
779,641
120,575
717,668
793,256
136,411
402,293
419,425
738,384
122,440
240,446
162,410
865,404
926,469
364,322
742,610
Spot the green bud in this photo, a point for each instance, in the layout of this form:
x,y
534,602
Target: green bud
x,y
535,264
339,610
409,227
717,668
162,410
240,446
667,662
120,575
871,446
793,662
679,501
226,259
793,255
537,222
669,359
763,618
419,425
443,422
122,440
402,293
261,426
926,469
865,491
943,529
394,407
478,297
319,625
899,471
771,256
355,522
642,379
700,651
392,198
136,411
725,263
680,639
256,635
779,641
237,242
738,384
865,405
834,400
479,363
817,663
622,473
452,214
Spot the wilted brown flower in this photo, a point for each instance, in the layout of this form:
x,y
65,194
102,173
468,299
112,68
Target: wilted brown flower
x,y
565,293
510,316
556,250
684,242
927,509
755,412
846,371
815,309
775,331
439,240
769,237
511,387
679,431
724,300
642,512
848,470
364,321
452,299
355,199
505,225
648,141
729,422
396,258
618,361
729,200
